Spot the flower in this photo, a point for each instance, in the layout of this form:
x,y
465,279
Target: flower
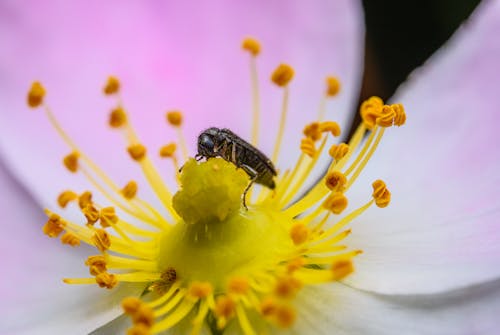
x,y
394,285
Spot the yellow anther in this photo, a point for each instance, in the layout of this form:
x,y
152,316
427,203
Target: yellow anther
x,y
225,307
332,86
299,233
338,151
200,289
108,217
107,280
174,118
268,307
168,150
313,131
85,199
66,197
137,151
336,181
70,239
54,226
342,268
387,115
285,316
381,194
143,315
101,240
282,75
96,264
307,146
287,287
139,329
131,305
400,117
91,213
336,202
71,161
112,86
370,111
295,264
251,45
238,285
117,117
130,190
330,126
36,94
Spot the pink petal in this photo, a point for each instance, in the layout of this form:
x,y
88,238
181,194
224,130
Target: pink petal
x,y
168,55
34,298
442,229
338,309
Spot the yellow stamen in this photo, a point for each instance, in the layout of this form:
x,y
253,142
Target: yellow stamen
x,y
54,226
106,280
332,86
174,118
96,264
335,181
117,118
342,268
313,131
129,190
101,240
36,95
286,287
330,126
285,316
85,199
338,151
108,217
381,194
112,86
91,213
282,75
200,289
251,45
137,152
168,150
238,285
307,146
66,197
299,233
225,309
336,203
71,161
71,239
370,111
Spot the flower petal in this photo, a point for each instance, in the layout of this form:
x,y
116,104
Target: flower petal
x,y
342,310
168,55
442,229
34,298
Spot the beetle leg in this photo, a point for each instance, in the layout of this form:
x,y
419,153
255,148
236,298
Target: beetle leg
x,y
253,176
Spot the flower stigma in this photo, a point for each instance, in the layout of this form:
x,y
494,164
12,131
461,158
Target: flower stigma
x,y
210,262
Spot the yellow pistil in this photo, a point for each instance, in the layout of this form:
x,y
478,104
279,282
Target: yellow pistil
x,y
205,261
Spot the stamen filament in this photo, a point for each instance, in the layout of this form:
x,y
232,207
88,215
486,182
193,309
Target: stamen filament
x,y
244,323
175,317
281,129
165,297
255,100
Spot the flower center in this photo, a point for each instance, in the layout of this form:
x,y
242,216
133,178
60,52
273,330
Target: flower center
x,y
213,261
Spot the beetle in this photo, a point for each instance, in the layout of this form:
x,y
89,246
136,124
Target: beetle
x,y
216,142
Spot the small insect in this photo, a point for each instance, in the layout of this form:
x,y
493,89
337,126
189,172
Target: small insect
x,y
216,142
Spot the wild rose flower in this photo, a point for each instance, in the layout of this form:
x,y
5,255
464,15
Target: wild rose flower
x,y
405,252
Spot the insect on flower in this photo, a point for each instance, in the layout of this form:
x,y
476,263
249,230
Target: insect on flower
x,y
215,142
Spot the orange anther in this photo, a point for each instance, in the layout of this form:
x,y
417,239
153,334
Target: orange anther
x,y
332,86
336,203
251,45
381,194
36,94
112,86
336,181
282,75
137,151
71,161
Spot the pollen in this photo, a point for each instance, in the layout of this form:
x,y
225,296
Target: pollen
x,y
71,162
332,86
36,95
282,75
112,86
216,250
251,45
174,118
137,152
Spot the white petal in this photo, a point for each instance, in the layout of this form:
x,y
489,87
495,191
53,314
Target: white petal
x,y
338,309
169,55
442,229
34,298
